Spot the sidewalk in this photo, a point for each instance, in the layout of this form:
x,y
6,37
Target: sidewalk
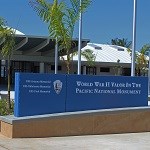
x,y
132,141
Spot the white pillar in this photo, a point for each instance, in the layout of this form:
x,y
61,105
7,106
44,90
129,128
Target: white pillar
x,y
84,70
41,67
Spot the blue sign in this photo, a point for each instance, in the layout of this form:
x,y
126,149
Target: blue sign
x,y
37,94
103,92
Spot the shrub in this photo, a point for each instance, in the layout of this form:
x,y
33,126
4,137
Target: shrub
x,y
4,110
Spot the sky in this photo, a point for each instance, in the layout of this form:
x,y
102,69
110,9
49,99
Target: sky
x,y
104,20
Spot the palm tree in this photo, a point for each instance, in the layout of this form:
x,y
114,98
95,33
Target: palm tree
x,y
7,35
141,61
89,56
61,21
121,42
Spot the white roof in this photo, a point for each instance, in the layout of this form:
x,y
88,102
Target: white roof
x,y
107,53
17,32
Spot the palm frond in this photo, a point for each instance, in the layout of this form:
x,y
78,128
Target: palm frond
x,y
145,49
89,56
76,5
42,8
8,35
2,22
61,19
121,42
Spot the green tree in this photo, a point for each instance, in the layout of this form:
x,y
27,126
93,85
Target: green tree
x,y
61,19
117,68
89,56
7,36
121,42
141,61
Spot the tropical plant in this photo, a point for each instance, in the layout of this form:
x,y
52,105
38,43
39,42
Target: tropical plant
x,y
117,68
121,42
4,107
61,19
89,56
7,36
141,61
86,54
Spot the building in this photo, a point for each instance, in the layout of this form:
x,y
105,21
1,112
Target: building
x,y
33,54
109,60
36,54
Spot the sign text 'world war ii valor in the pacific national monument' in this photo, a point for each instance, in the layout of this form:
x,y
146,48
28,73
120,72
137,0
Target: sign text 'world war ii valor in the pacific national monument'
x,y
101,92
38,94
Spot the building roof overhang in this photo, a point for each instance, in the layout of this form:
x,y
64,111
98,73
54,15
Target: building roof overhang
x,y
39,46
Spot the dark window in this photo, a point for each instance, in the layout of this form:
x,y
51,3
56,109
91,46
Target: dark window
x,y
91,70
120,49
22,66
104,69
126,72
53,67
98,48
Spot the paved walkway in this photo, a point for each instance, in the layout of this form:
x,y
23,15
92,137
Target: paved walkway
x,y
133,141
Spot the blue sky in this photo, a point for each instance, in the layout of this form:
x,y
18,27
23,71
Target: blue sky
x,y
103,21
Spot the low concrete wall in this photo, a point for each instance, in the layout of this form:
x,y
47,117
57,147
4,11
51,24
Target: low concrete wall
x,y
7,129
78,123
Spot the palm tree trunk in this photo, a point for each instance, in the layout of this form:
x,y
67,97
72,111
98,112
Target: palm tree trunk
x,y
68,67
8,84
68,63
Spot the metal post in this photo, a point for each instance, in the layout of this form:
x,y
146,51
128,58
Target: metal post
x,y
56,56
133,40
79,43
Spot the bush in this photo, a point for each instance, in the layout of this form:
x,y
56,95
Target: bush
x,y
4,110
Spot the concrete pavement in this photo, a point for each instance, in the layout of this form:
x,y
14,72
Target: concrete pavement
x,y
132,141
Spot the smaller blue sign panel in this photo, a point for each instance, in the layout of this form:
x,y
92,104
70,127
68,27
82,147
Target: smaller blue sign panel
x,y
103,92
37,94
